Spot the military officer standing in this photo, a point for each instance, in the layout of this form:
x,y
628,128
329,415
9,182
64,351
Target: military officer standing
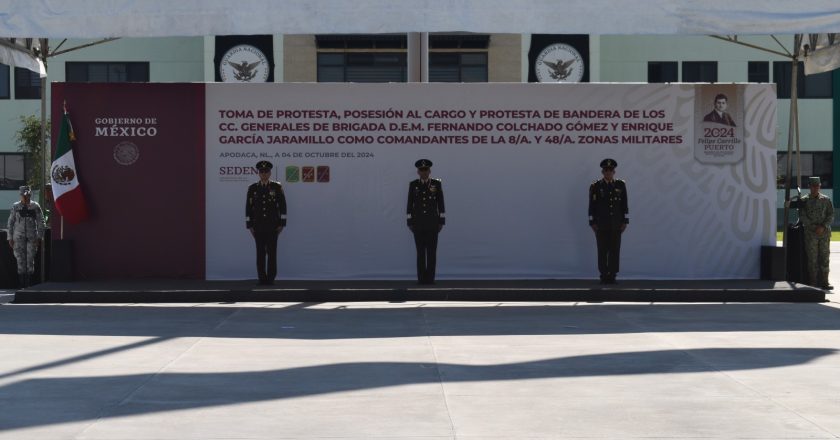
x,y
265,217
608,218
26,230
817,212
426,217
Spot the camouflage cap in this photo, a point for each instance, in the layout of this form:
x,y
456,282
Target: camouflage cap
x,y
25,190
813,181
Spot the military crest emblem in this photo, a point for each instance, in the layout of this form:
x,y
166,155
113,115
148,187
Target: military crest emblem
x,y
244,63
559,63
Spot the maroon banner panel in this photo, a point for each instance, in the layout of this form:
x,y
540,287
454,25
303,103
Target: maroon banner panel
x,y
139,154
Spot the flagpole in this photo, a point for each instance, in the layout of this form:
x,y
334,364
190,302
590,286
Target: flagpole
x,y
44,44
61,217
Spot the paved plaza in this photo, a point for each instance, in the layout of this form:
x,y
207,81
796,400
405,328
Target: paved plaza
x,y
421,370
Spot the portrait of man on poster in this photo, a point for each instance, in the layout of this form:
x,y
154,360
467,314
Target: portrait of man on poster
x,y
719,115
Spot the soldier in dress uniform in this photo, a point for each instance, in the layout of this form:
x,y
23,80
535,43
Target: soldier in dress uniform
x,y
817,212
26,230
426,217
265,217
608,218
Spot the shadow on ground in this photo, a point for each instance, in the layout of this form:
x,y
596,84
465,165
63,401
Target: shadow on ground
x,y
51,400
179,391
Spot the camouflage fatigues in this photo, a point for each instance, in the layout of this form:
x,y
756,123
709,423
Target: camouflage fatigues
x,y
26,227
816,211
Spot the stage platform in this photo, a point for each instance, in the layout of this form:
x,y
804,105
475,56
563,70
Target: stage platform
x,y
162,291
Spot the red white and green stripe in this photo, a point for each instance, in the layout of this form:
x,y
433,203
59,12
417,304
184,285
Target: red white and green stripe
x,y
69,200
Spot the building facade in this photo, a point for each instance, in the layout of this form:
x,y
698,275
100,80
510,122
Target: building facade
x,y
456,57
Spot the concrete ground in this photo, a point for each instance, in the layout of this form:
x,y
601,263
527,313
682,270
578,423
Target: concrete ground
x,y
420,371
413,370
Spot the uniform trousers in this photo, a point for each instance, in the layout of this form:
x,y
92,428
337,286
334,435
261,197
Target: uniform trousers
x,y
25,250
609,248
426,243
817,250
266,239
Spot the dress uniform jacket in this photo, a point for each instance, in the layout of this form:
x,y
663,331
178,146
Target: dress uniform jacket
x,y
608,204
265,207
608,211
426,210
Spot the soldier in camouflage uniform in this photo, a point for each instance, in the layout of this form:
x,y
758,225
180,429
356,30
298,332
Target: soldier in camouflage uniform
x,y
817,212
26,230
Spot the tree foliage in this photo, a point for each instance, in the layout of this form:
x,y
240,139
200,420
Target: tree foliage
x,y
28,138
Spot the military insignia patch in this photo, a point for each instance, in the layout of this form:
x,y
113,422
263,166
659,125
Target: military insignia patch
x,y
323,173
308,174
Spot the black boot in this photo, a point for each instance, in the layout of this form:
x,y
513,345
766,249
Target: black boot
x,y
21,281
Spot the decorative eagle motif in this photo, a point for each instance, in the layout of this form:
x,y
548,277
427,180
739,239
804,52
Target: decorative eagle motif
x,y
244,70
560,70
63,175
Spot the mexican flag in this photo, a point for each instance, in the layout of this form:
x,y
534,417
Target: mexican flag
x,y
69,200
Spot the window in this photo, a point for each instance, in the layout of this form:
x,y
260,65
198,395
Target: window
x,y
459,41
377,58
758,71
699,71
362,67
458,67
13,169
813,164
662,71
361,41
101,72
4,82
27,84
811,86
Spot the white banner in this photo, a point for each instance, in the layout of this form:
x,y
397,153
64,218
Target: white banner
x,y
516,161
